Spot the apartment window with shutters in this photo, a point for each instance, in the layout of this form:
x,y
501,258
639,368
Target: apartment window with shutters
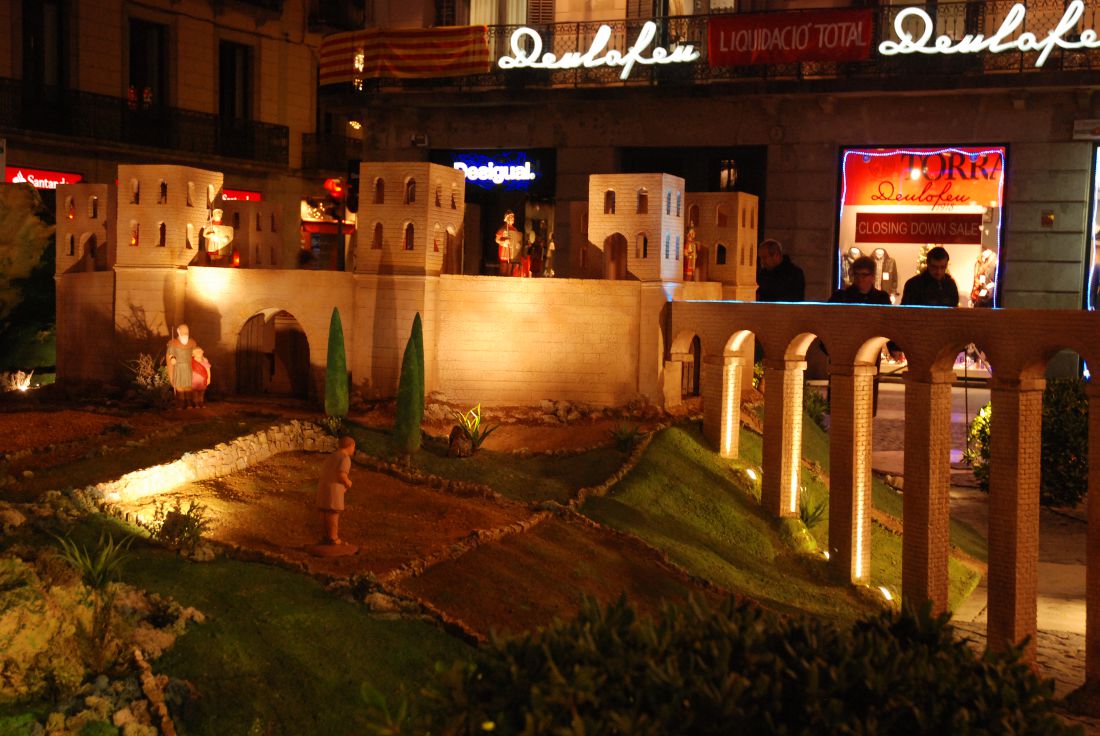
x,y
445,13
540,12
46,46
148,65
498,12
234,81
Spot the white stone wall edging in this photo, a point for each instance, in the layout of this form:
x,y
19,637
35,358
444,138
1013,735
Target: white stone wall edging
x,y
222,459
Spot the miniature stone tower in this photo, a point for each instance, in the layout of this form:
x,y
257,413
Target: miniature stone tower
x,y
257,232
726,228
85,228
637,222
406,212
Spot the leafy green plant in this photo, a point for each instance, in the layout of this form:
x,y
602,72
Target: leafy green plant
x,y
757,373
1065,464
179,528
732,668
151,379
626,436
810,512
815,404
410,393
469,423
336,370
333,425
98,568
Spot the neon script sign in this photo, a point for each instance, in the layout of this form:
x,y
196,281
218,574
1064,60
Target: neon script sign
x,y
513,170
535,59
922,43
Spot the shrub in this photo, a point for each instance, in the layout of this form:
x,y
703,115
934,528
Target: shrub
x,y
410,393
626,436
757,374
333,426
17,381
151,380
815,404
179,528
731,668
811,513
336,371
469,424
1065,464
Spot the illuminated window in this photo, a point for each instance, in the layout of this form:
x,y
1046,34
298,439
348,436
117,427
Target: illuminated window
x,y
135,233
643,202
693,215
376,243
93,207
609,202
409,237
70,208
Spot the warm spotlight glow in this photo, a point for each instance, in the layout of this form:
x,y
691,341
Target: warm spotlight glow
x,y
825,554
914,173
885,592
751,473
731,406
355,125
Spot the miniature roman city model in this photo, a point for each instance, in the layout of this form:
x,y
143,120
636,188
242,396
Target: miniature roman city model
x,y
132,267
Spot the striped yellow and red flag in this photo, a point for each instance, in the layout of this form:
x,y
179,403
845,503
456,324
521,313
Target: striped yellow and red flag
x,y
452,51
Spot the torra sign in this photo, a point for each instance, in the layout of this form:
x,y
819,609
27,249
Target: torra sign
x,y
535,59
922,42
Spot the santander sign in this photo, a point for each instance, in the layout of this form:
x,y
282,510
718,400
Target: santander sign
x,y
922,42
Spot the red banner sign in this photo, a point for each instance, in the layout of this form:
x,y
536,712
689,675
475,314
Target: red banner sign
x,y
787,38
241,195
913,227
40,178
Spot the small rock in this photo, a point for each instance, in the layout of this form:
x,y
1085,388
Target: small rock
x,y
382,603
28,473
10,518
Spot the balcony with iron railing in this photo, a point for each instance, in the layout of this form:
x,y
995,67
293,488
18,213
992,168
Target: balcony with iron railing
x,y
329,152
915,70
105,119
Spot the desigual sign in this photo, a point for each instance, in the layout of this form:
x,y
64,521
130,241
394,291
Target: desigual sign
x,y
1008,36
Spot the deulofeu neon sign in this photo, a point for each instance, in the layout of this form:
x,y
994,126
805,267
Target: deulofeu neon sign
x,y
922,42
535,59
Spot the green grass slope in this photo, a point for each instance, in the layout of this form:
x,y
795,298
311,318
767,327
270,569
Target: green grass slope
x,y
277,653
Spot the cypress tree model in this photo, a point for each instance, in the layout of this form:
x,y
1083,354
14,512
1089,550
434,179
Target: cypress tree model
x,y
336,373
410,393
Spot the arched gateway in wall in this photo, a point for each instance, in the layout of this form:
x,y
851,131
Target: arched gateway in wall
x,y
1018,343
273,356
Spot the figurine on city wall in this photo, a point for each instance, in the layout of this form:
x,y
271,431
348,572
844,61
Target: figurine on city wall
x,y
217,236
179,358
691,249
985,278
509,242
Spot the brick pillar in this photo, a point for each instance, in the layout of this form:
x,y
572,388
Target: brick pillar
x,y
1092,572
850,471
782,436
1015,448
721,391
926,510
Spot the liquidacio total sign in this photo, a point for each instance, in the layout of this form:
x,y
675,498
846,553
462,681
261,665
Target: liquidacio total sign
x,y
921,41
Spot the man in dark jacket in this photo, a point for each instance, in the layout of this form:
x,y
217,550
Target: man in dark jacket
x,y
779,280
932,287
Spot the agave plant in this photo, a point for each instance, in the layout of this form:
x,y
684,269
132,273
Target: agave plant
x,y
470,424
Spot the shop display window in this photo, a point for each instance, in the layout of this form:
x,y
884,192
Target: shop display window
x,y
899,203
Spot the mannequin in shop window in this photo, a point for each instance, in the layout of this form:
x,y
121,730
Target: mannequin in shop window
x,y
509,242
850,256
886,273
985,279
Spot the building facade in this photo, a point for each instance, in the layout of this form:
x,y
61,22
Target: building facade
x,y
849,142
87,86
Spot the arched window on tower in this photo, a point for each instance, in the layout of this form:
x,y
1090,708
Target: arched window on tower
x,y
409,236
162,235
379,191
376,242
609,202
643,201
641,246
410,190
93,207
720,254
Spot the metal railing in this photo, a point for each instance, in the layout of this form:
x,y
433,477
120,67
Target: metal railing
x,y
951,19
117,120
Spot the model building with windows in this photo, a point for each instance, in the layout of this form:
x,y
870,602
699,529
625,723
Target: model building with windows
x,y
636,223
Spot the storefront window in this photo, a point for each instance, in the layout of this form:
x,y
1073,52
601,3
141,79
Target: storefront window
x,y
899,203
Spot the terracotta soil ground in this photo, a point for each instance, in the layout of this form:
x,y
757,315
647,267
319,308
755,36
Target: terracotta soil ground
x,y
535,575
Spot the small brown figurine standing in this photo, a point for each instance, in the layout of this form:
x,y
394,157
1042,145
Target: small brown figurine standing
x,y
331,487
178,359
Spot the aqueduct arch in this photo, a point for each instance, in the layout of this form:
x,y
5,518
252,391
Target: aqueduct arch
x,y
1019,344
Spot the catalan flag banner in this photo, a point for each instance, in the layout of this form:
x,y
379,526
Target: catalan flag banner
x,y
415,53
